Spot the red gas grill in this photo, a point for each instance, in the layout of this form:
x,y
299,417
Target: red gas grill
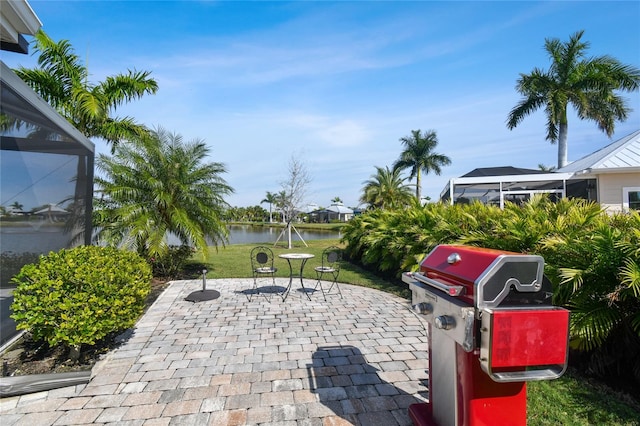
x,y
491,328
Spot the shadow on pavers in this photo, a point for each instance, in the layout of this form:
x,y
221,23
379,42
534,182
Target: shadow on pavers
x,y
354,391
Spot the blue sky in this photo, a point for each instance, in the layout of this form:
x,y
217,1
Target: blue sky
x,y
336,84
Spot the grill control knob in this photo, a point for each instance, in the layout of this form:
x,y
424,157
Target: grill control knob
x,y
444,322
422,308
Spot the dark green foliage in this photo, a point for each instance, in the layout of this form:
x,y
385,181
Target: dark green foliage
x,y
63,81
386,189
157,185
418,156
170,263
600,283
77,296
396,240
592,258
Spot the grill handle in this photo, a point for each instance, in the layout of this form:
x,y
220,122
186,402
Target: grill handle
x,y
451,290
532,374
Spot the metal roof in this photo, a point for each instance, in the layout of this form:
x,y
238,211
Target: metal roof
x,y
621,155
339,208
17,18
501,171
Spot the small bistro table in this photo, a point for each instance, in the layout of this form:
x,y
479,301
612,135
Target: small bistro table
x,y
303,257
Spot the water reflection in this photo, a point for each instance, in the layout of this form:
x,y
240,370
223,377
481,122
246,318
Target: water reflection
x,y
246,234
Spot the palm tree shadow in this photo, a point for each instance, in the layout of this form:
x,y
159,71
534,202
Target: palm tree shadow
x,y
353,389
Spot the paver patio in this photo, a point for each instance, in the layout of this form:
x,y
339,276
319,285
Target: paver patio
x,y
359,360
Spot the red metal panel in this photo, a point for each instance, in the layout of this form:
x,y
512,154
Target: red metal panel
x,y
522,338
483,402
420,414
473,262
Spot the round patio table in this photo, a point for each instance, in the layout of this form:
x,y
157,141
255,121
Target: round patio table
x,y
303,257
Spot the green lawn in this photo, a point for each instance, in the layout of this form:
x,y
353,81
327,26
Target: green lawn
x,y
234,261
574,401
570,400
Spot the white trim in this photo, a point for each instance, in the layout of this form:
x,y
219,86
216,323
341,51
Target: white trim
x,y
18,18
542,177
609,171
625,196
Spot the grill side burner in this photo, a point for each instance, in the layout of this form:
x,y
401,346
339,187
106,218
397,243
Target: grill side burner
x,y
491,328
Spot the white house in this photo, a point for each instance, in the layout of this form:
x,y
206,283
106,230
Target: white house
x,y
610,175
616,169
335,212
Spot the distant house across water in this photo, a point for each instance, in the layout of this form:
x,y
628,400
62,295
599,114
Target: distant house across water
x,y
336,212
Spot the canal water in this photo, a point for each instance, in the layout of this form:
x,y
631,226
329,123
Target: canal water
x,y
29,240
248,234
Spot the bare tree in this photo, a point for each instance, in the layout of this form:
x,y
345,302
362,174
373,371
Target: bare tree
x,y
294,190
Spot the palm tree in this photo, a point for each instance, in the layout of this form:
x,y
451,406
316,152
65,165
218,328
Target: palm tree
x,y
386,190
589,85
336,200
158,185
281,203
62,80
271,198
418,156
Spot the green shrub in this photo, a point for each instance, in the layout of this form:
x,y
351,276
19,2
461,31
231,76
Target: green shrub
x,y
77,296
592,258
172,262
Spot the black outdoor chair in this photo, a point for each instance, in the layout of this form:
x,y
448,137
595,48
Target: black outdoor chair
x,y
331,258
262,263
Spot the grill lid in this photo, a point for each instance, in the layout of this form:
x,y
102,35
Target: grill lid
x,y
489,278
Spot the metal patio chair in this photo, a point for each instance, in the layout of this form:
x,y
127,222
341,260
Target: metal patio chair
x,y
331,258
262,264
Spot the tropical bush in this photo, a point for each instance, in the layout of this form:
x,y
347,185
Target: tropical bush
x,y
158,185
393,241
170,263
592,258
77,296
600,283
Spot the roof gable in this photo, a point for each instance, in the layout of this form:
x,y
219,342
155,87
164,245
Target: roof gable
x,y
621,154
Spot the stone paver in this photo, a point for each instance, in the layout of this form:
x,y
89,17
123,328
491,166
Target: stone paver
x,y
359,360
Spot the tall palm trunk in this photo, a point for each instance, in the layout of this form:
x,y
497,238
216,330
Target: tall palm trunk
x,y
562,144
418,185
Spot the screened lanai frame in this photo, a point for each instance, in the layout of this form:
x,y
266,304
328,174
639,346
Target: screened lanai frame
x,y
497,190
47,168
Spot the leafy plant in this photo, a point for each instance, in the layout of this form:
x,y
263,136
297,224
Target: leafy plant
x,y
77,296
592,258
157,185
600,282
62,80
170,263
